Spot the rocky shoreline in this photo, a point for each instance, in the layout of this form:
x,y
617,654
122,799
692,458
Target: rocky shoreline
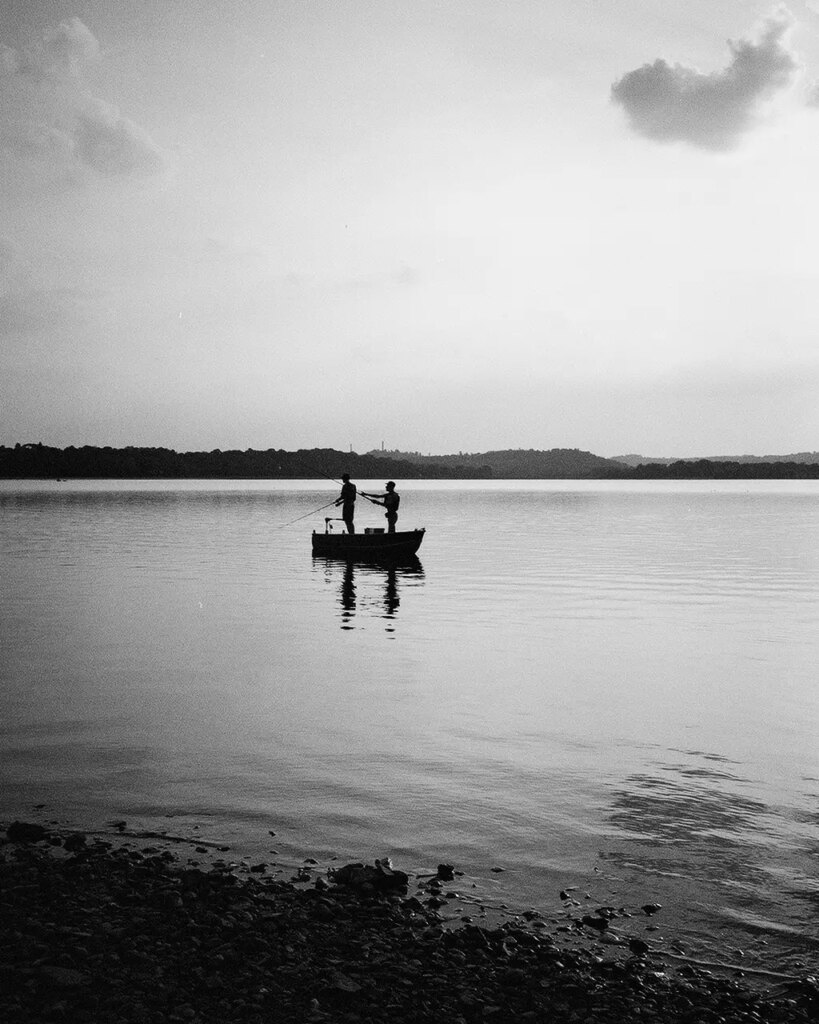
x,y
95,930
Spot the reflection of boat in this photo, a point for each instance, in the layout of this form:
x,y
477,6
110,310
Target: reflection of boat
x,y
371,545
360,593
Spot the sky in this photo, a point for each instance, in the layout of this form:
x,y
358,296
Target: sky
x,y
457,225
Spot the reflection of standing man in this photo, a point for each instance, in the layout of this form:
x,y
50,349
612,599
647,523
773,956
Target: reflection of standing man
x,y
347,501
348,597
391,599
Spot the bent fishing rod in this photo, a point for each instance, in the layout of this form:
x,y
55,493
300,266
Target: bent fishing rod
x,y
315,469
306,514
335,479
323,507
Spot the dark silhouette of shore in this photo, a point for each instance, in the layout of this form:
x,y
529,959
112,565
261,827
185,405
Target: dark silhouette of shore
x,y
39,461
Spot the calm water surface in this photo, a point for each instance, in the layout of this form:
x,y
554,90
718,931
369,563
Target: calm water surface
x,y
612,686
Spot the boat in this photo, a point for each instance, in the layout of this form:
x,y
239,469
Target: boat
x,y
371,545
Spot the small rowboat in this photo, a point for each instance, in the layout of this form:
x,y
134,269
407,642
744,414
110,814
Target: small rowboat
x,y
370,545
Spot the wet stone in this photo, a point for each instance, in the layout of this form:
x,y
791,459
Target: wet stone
x,y
110,943
25,832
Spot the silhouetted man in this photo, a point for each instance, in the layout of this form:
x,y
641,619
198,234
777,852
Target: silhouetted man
x,y
390,501
347,501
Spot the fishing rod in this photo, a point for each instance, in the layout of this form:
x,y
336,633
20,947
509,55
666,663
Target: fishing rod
x,y
315,469
306,514
335,479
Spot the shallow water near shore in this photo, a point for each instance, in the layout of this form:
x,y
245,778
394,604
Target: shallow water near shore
x,y
607,685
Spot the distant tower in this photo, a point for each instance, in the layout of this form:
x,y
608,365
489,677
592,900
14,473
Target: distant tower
x,y
382,446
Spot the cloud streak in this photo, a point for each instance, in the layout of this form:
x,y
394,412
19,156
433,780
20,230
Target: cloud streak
x,y
50,120
677,103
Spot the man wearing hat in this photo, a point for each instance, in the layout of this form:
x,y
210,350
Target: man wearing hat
x,y
390,501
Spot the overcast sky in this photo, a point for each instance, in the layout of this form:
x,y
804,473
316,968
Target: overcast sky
x,y
449,225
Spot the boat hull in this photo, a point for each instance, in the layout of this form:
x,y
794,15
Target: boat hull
x,y
368,546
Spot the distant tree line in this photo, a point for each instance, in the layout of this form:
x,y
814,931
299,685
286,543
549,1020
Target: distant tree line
x,y
38,461
708,469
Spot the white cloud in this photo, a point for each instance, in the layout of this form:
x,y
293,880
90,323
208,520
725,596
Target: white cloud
x,y
112,144
676,103
50,120
71,45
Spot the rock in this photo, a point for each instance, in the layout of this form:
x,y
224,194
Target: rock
x,y
446,872
638,947
65,977
25,832
325,910
92,939
600,924
75,842
651,908
377,878
349,874
344,984
395,878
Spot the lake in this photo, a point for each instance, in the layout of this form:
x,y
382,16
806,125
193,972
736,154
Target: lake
x,y
608,685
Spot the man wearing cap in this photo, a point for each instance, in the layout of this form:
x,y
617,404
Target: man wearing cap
x,y
390,501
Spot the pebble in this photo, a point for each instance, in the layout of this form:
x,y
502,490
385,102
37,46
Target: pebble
x,y
254,950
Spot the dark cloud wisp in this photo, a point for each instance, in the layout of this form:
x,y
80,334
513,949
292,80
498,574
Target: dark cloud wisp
x,y
676,103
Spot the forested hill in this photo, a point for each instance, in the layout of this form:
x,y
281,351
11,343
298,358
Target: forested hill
x,y
38,461
519,463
